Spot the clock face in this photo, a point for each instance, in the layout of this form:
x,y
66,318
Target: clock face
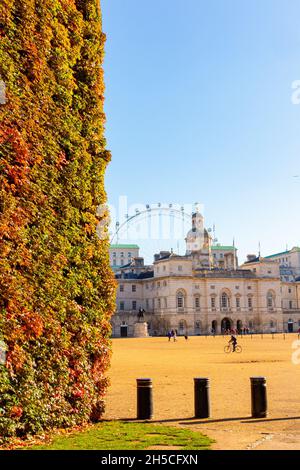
x,y
195,240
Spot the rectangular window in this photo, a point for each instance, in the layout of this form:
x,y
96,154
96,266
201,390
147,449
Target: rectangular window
x,y
197,302
250,302
291,304
122,306
121,288
179,268
133,287
147,304
180,302
158,303
238,302
213,302
133,305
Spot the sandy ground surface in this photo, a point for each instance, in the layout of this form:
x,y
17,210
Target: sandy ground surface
x,y
172,366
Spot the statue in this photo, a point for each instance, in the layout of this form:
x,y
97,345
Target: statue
x,y
141,315
141,327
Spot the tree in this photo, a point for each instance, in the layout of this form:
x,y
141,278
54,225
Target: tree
x,y
57,292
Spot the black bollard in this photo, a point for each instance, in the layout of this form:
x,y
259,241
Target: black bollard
x,y
259,397
144,399
202,399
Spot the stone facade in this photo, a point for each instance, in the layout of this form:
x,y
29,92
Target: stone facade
x,y
121,255
289,264
195,294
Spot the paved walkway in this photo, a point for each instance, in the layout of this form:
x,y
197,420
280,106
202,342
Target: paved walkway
x,y
172,366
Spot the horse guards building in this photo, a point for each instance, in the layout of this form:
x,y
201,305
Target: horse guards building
x,y
205,291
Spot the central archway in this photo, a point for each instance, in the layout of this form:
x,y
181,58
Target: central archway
x,y
226,324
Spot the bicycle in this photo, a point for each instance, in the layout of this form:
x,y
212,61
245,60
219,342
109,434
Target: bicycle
x,y
229,349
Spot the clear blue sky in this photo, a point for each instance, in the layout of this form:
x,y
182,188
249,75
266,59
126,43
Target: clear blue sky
x,y
198,104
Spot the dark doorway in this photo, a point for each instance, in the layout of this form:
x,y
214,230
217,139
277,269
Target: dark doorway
x,y
124,331
291,327
226,324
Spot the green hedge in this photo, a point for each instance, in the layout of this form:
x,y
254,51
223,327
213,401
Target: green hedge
x,y
57,292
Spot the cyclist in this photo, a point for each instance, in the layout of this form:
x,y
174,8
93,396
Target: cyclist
x,y
233,340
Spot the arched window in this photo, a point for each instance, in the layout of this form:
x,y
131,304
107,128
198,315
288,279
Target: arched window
x,y
225,301
270,300
180,300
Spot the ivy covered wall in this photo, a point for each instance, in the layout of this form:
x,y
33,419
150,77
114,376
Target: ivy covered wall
x,y
57,292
